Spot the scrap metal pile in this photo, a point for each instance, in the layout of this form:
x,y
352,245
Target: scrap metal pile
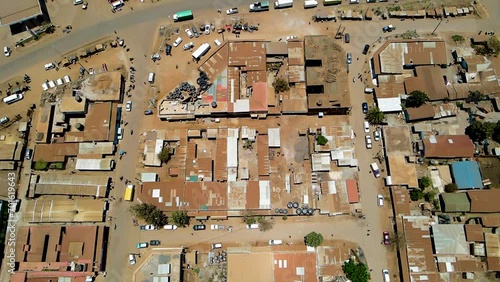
x,y
187,92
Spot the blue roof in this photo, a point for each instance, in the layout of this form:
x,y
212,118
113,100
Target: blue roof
x,y
467,175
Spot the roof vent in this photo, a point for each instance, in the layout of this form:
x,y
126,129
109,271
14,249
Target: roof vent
x,y
450,141
432,139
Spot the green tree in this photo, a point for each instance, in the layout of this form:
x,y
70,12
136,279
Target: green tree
x,y
493,46
265,224
149,213
429,196
416,194
313,239
457,38
179,218
424,182
41,165
321,140
475,96
249,218
397,240
416,99
496,132
480,131
375,116
165,154
280,85
356,272
450,187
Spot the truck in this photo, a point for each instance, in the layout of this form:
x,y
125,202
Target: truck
x,y
129,193
310,4
283,4
331,2
183,16
259,6
202,50
217,227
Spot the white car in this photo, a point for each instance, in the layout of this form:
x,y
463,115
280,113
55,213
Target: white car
x,y
275,242
67,79
253,226
368,140
376,135
59,81
189,33
366,125
147,227
128,106
380,200
177,42
131,258
45,86
188,46
49,66
217,246
170,227
232,11
207,29
6,51
291,37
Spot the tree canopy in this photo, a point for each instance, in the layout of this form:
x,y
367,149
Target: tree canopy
x,y
149,213
321,140
280,85
375,116
475,96
313,239
457,38
416,99
179,218
424,182
356,272
450,187
165,154
480,131
416,194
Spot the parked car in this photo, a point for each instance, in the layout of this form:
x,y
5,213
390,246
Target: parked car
x,y
85,5
366,126
217,246
365,49
387,238
50,66
189,33
380,200
168,49
147,227
128,106
365,107
148,112
170,227
6,51
349,58
217,227
275,242
347,38
368,140
29,154
253,226
155,242
4,120
388,28
188,46
207,29
232,11
376,135
131,258
195,31
177,41
142,245
199,227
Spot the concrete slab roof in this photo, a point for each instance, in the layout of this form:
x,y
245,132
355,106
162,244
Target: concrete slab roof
x,y
398,140
402,172
242,267
20,10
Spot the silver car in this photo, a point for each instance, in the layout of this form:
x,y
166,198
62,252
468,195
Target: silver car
x,y
189,33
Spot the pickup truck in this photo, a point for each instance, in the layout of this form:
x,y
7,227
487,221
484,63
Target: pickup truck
x,y
217,227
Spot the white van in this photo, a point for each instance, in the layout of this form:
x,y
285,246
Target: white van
x,y
385,275
369,90
117,4
45,86
50,66
151,77
366,126
67,79
253,226
59,81
375,170
13,98
51,84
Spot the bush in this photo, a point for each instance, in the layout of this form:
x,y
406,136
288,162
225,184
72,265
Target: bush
x,y
416,194
450,187
313,239
457,38
165,154
280,85
265,224
41,165
249,219
424,182
321,140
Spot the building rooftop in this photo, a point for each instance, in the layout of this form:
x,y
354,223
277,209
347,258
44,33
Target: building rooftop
x,y
398,140
448,146
64,184
390,86
449,239
20,10
242,267
294,267
481,201
454,202
394,55
429,80
402,172
61,209
474,233
98,122
8,151
57,152
467,175
276,48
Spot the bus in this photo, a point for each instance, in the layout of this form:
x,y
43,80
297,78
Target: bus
x,y
129,193
332,2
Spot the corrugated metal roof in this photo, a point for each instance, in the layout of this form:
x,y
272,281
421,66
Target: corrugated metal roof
x,y
352,191
449,239
274,139
466,174
455,202
484,201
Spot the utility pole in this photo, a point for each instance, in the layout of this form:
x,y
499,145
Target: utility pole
x,y
433,32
